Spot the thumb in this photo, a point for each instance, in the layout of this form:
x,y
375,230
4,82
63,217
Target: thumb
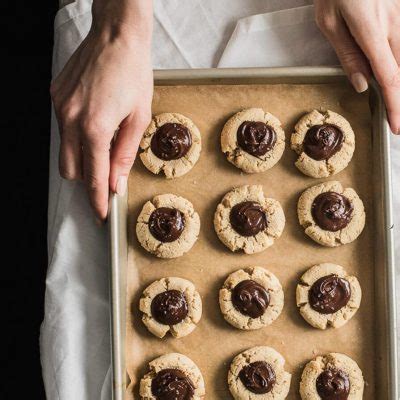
x,y
124,150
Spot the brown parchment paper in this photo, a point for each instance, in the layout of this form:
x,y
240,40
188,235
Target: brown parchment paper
x,y
214,342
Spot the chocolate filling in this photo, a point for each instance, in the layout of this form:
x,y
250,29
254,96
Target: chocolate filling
x,y
258,377
169,307
172,384
248,218
332,211
323,141
250,298
329,294
171,141
166,224
333,384
256,137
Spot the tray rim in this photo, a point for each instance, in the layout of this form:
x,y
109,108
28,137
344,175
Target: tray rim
x,y
117,223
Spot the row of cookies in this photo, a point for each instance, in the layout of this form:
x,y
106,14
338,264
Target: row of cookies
x,y
252,140
255,374
247,220
252,298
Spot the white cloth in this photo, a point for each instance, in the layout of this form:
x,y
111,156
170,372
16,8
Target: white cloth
x,y
187,34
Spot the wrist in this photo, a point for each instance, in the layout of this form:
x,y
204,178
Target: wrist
x,y
126,19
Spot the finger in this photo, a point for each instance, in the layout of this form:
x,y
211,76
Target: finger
x,y
124,151
353,60
70,159
385,68
395,46
96,169
388,76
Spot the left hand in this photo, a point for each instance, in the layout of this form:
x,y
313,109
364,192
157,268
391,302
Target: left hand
x,y
106,85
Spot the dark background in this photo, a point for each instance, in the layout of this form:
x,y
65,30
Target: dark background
x,y
26,124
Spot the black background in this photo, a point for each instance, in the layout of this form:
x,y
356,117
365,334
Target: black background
x,y
25,127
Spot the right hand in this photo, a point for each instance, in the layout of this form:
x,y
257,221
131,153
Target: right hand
x,y
106,86
366,37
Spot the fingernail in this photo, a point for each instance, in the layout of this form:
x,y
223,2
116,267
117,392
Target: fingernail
x,y
121,185
359,82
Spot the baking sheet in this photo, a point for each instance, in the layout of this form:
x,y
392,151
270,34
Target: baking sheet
x,y
214,342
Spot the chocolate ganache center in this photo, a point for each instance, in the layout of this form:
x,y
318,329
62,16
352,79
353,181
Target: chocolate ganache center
x,y
332,211
329,294
333,384
323,141
248,218
258,377
256,137
172,384
166,224
169,307
171,141
250,298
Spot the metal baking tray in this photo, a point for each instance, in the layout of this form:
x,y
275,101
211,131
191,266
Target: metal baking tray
x,y
386,362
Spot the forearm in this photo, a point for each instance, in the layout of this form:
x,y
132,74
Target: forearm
x,y
124,18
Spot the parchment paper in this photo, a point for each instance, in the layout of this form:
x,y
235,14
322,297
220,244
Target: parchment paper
x,y
214,342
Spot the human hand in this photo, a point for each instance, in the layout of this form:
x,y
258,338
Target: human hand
x,y
366,37
106,86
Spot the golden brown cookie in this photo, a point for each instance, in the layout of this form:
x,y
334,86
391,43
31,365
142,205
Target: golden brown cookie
x,y
171,144
168,368
325,143
332,376
171,305
327,296
330,214
253,140
247,220
168,226
258,374
251,298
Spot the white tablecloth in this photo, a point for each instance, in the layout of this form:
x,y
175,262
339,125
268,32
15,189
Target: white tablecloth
x,y
187,34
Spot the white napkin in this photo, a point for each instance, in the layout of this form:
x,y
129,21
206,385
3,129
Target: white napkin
x,y
194,33
74,339
281,38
